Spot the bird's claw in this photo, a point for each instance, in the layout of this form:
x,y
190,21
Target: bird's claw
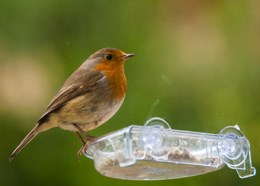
x,y
82,149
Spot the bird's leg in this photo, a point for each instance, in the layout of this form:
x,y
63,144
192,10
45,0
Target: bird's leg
x,y
85,142
81,131
80,137
83,145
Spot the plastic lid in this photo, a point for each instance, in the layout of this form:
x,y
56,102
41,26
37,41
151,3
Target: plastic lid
x,y
156,152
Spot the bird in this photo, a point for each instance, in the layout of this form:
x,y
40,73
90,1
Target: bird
x,y
88,98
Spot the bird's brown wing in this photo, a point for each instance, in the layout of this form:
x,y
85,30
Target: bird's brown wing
x,y
77,84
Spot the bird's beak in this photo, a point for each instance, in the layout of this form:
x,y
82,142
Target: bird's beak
x,y
128,55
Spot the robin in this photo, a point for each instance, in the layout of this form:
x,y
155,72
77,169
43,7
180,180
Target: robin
x,y
88,98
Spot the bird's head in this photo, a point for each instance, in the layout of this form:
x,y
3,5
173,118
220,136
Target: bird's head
x,y
109,59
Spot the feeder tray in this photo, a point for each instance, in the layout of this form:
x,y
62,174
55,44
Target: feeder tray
x,y
157,152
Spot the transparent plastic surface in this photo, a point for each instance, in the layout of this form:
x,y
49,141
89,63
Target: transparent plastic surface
x,y
156,152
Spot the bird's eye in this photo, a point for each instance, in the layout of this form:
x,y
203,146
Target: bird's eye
x,y
109,56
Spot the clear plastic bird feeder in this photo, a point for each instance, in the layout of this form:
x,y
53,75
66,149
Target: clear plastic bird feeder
x,y
156,152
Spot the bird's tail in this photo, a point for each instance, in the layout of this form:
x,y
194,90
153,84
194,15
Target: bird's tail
x,y
26,140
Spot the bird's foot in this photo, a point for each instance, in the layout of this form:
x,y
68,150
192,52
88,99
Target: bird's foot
x,y
82,134
83,149
85,143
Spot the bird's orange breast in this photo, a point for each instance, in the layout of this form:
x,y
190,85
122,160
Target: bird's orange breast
x,y
116,79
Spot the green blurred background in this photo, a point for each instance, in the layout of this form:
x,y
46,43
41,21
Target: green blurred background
x,y
197,65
